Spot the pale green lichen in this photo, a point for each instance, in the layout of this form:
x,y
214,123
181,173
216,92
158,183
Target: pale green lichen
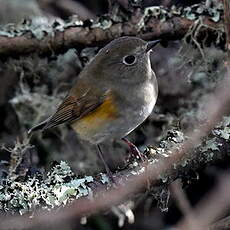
x,y
137,170
225,133
193,12
30,105
72,22
226,121
40,27
211,144
59,188
104,178
157,12
223,129
102,23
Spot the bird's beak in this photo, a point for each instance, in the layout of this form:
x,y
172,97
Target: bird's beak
x,y
151,44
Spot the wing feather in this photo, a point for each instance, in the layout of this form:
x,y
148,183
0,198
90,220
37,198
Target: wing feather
x,y
73,108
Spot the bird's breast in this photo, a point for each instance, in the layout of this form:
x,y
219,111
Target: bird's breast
x,y
140,104
94,122
118,115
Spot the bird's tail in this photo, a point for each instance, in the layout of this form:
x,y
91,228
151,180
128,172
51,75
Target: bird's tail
x,y
41,126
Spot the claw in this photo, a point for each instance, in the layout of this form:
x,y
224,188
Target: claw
x,y
134,150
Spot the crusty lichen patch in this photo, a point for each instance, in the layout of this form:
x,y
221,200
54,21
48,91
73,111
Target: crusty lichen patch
x,y
214,11
61,186
40,27
58,188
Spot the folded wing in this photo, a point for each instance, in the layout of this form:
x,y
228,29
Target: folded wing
x,y
72,109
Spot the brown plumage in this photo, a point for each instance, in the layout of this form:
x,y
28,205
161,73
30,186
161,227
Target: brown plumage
x,y
113,94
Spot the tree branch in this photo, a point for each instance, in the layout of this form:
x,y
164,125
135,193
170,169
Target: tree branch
x,y
154,23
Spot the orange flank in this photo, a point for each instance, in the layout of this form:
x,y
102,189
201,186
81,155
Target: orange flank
x,y
95,120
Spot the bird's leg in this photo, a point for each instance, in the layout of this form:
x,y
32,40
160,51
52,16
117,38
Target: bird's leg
x,y
134,150
108,171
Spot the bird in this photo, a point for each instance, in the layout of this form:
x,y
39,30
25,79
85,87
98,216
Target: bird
x,y
113,94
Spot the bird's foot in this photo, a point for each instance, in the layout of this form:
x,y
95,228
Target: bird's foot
x,y
135,153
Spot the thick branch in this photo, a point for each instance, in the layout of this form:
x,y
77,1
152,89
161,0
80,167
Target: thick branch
x,y
58,37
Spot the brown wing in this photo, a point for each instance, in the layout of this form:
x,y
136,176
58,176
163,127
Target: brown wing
x,y
73,108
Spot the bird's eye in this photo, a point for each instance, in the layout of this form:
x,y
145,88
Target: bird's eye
x,y
129,60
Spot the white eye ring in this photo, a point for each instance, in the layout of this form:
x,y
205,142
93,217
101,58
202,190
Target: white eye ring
x,y
129,60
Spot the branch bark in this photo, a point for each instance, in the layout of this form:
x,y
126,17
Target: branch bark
x,y
58,37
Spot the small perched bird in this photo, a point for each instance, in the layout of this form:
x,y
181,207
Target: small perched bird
x,y
113,94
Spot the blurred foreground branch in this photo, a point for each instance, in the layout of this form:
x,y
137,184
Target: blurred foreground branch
x,y
66,8
223,224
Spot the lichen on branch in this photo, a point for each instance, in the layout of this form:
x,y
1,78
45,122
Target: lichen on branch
x,y
45,37
60,185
